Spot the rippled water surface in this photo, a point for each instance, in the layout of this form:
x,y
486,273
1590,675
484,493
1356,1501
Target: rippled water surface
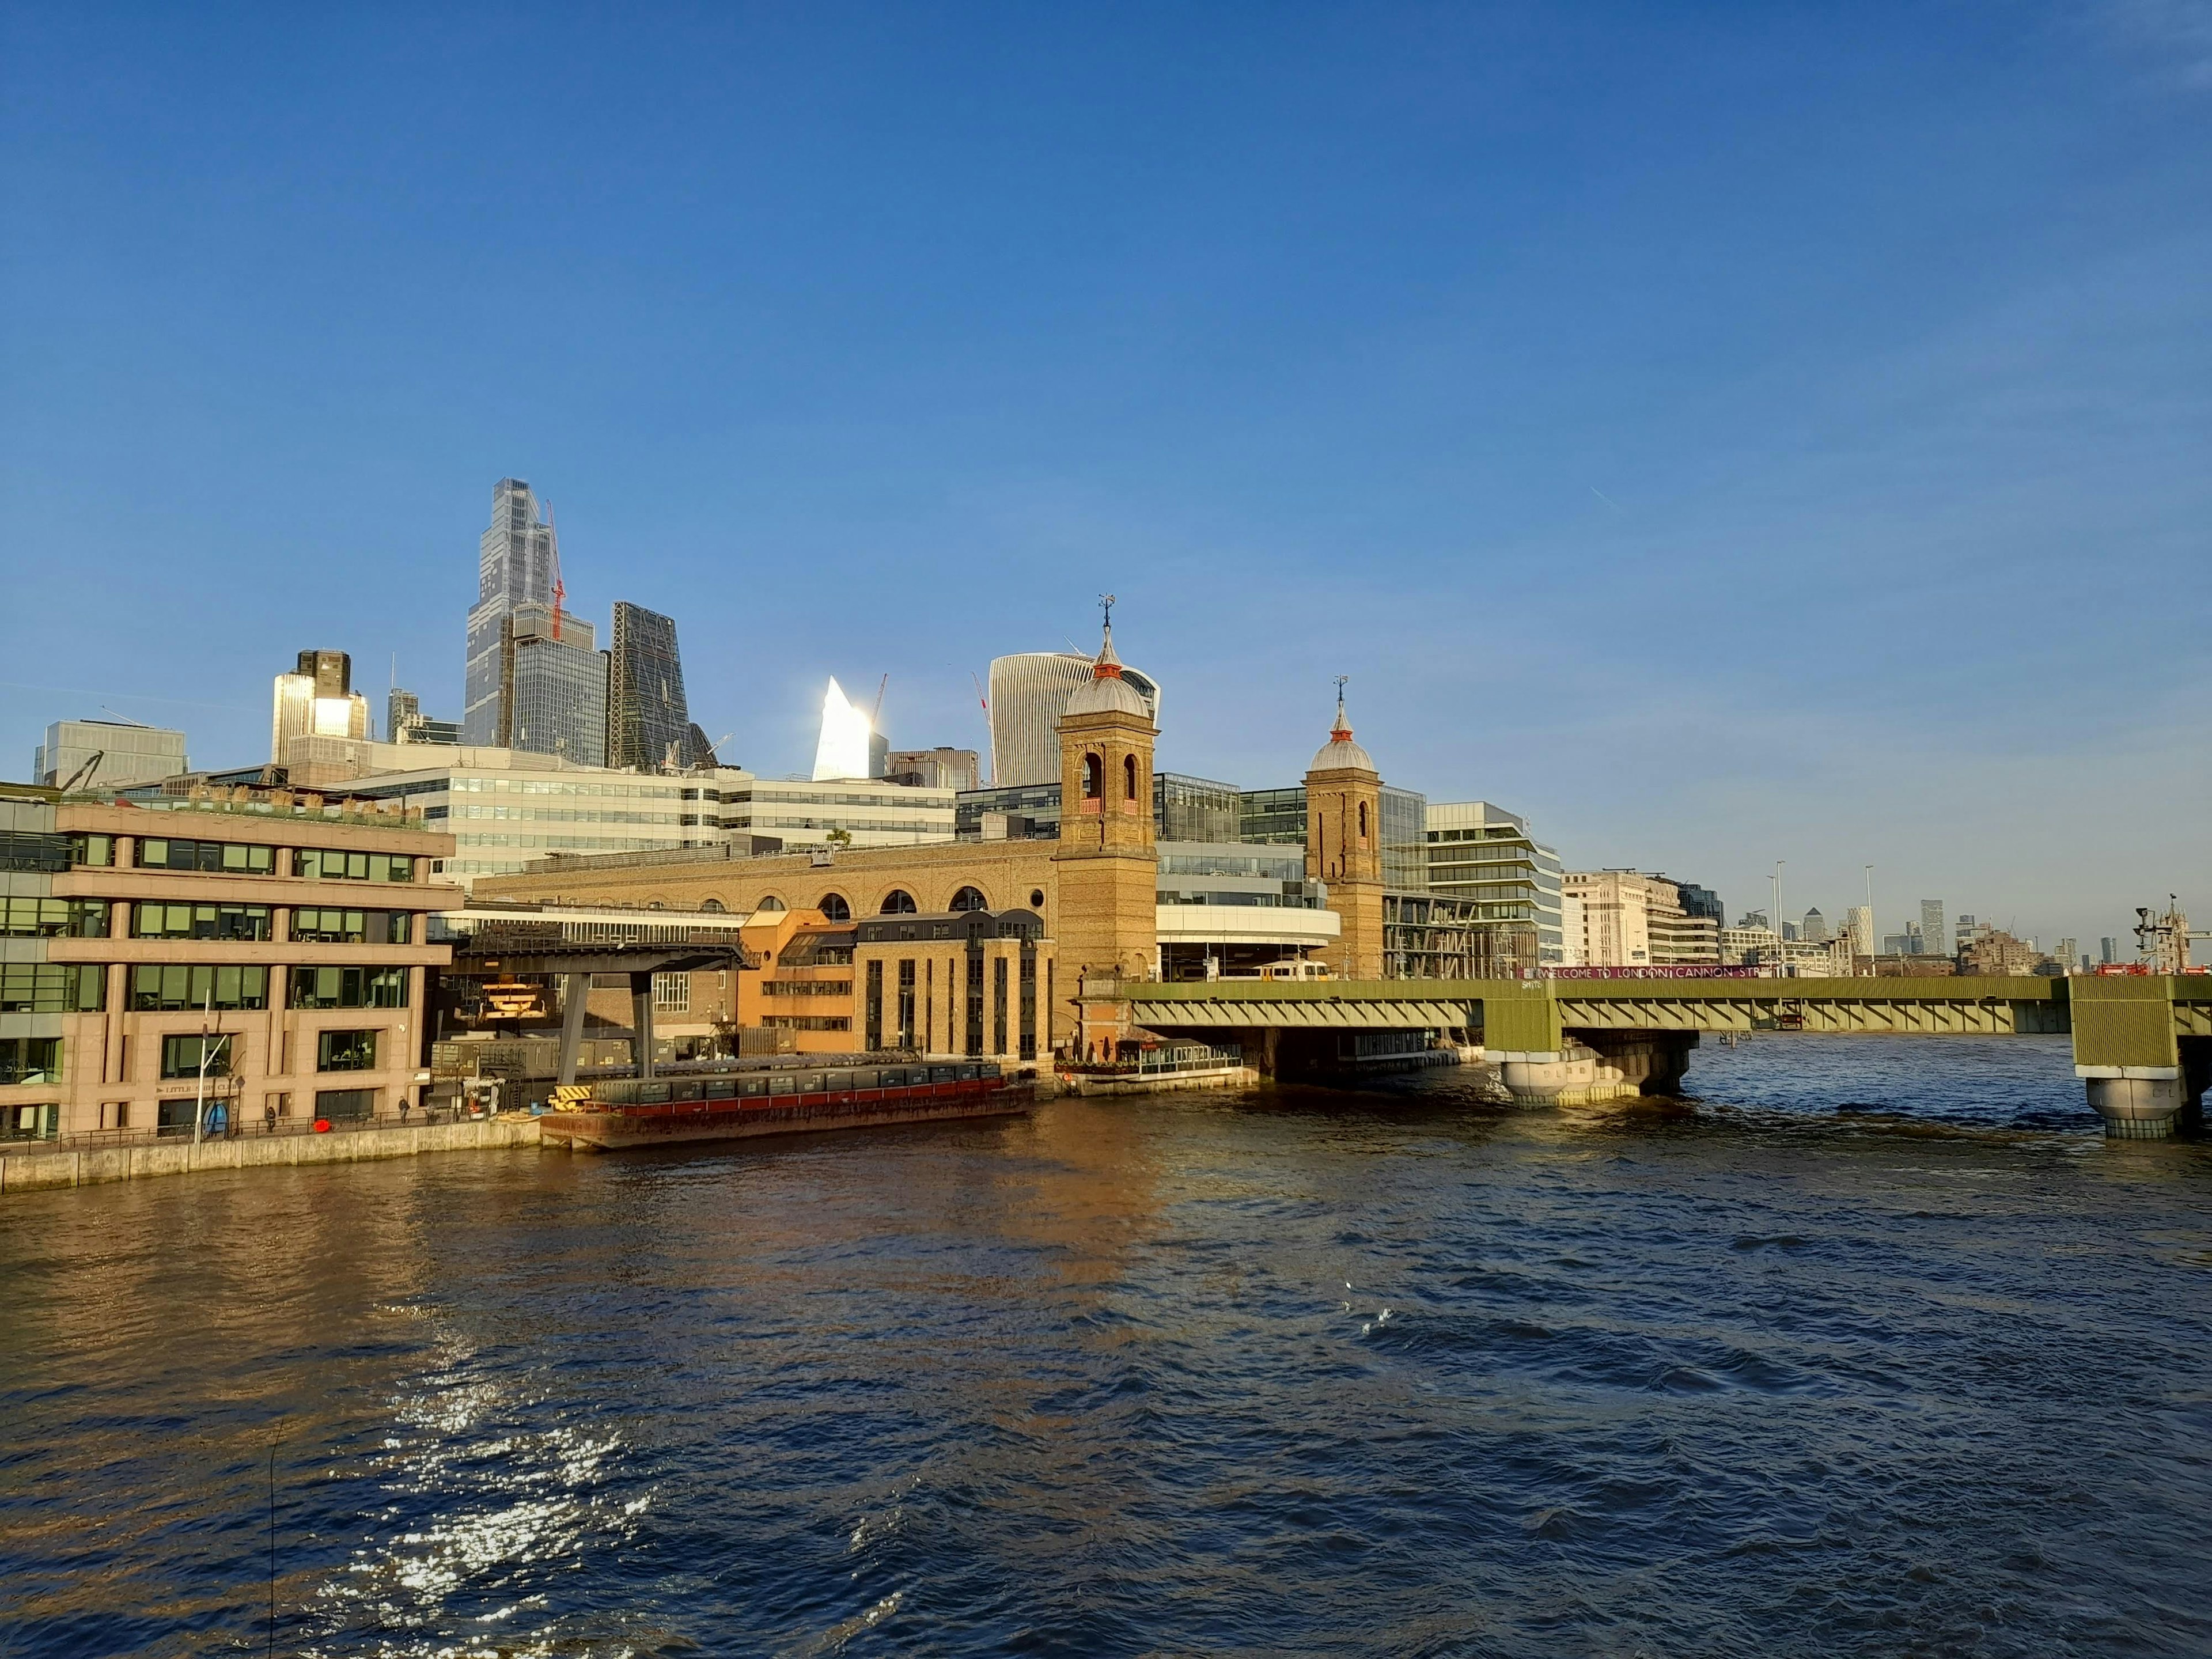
x,y
1876,1347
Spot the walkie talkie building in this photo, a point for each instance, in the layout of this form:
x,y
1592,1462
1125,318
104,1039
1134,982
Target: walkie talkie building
x,y
1028,694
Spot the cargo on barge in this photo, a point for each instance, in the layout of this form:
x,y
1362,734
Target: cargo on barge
x,y
782,1101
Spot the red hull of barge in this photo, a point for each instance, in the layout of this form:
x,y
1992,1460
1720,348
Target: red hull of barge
x,y
617,1128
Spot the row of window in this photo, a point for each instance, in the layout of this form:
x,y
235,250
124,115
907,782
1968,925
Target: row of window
x,y
244,859
174,988
183,1055
53,918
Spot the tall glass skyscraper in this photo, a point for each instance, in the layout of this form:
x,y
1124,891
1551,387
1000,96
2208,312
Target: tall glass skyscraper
x,y
648,723
536,680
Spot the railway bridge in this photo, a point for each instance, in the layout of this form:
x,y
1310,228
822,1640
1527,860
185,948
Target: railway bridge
x,y
2142,1043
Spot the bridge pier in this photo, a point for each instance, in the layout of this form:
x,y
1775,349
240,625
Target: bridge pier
x,y
1591,1066
2150,1102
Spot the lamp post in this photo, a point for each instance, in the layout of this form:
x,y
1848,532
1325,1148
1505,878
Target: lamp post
x,y
1781,939
199,1097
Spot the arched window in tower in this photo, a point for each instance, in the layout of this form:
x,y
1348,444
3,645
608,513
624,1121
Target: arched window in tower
x,y
1094,776
897,903
1128,777
970,898
834,907
1363,822
770,903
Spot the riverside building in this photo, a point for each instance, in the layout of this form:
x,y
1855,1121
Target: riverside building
x,y
261,951
506,808
1107,893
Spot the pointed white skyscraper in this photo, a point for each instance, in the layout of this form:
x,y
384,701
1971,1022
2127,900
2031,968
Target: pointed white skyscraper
x,y
843,748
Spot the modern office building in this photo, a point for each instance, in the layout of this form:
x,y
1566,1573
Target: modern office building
x,y
405,722
1858,926
2108,948
957,769
1486,856
1029,693
1188,809
648,719
537,680
1814,930
505,808
263,957
809,812
1934,936
849,746
110,754
1634,920
315,711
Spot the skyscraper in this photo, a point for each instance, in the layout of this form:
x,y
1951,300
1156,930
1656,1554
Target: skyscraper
x,y
648,722
535,679
1028,694
1934,941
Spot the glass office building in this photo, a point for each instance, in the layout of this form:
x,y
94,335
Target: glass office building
x,y
648,720
1028,694
1487,857
536,679
1194,809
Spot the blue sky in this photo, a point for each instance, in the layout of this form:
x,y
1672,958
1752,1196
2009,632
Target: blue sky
x,y
1722,435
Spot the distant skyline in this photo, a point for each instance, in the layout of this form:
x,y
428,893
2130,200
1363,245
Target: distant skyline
x,y
1718,435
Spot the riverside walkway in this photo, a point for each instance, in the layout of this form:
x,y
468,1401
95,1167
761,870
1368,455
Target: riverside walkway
x,y
2143,1042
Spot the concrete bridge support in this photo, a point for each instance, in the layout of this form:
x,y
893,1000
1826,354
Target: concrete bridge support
x,y
2150,1102
1590,1066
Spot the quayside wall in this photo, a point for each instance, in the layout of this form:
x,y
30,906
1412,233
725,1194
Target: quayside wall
x,y
31,1171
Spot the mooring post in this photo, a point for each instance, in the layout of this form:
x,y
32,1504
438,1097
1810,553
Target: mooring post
x,y
640,1004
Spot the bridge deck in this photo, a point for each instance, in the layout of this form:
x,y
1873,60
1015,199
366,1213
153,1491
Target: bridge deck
x,y
2131,1021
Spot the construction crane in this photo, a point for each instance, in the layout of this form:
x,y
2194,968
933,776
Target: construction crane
x,y
876,718
85,771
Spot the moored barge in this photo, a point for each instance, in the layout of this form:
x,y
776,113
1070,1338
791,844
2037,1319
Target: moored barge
x,y
793,1100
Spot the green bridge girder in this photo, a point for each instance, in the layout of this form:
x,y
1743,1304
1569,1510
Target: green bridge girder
x,y
2119,1023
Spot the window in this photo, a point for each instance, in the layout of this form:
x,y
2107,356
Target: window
x,y
1036,898
328,864
999,1005
50,987
969,898
713,905
874,1011
54,918
349,988
1094,777
216,857
96,850
345,1051
234,922
339,1104
352,926
1363,820
974,1043
30,1060
181,1056
1128,777
35,1122
771,905
897,903
173,987
834,907
672,992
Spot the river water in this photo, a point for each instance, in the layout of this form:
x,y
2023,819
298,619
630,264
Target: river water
x,y
1877,1346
